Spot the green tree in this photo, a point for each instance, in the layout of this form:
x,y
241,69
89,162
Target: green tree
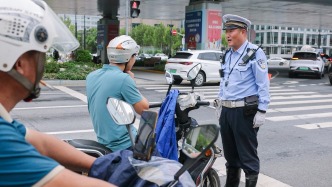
x,y
224,40
91,40
70,26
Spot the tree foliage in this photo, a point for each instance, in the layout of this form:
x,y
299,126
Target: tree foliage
x,y
157,36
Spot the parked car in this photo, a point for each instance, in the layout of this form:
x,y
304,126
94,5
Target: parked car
x,y
183,61
277,62
327,60
306,61
143,56
162,56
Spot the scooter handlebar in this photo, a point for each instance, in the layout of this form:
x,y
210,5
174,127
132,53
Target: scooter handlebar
x,y
155,105
202,103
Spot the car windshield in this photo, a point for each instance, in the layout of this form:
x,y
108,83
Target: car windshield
x,y
305,56
182,55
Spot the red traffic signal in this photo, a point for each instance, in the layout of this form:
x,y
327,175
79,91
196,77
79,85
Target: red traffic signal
x,y
134,10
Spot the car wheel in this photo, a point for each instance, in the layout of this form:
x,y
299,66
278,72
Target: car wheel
x,y
200,79
319,75
290,75
330,78
177,81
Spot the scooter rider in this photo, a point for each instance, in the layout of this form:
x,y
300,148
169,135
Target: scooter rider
x,y
114,80
28,28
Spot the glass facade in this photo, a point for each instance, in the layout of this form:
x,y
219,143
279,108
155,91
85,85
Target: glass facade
x,y
286,40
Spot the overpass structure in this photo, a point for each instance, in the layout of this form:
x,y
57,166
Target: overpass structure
x,y
201,15
297,13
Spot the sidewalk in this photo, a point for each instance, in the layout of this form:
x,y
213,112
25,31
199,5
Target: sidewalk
x,y
143,75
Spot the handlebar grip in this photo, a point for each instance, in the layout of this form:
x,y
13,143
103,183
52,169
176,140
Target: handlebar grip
x,y
202,103
156,105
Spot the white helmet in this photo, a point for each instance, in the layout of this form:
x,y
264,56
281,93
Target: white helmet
x,y
27,25
121,49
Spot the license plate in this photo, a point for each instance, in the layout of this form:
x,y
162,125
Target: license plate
x,y
172,70
304,68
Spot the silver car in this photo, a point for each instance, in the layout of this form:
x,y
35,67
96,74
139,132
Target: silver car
x,y
306,62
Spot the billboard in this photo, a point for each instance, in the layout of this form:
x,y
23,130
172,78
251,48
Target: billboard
x,y
193,29
214,23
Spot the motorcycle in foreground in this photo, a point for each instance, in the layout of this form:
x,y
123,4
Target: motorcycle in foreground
x,y
202,173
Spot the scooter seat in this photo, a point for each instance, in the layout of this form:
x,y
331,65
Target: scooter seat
x,y
90,147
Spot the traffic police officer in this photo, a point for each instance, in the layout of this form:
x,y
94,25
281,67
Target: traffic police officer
x,y
244,98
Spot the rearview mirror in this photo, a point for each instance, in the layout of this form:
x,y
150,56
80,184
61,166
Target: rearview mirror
x,y
199,139
193,72
169,77
121,112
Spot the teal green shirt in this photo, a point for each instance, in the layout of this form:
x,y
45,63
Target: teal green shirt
x,y
20,163
110,81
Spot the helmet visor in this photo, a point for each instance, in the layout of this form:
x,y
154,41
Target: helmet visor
x,y
63,40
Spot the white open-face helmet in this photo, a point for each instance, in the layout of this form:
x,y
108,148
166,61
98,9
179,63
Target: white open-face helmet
x,y
30,25
121,49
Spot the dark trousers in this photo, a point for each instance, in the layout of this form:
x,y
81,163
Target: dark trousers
x,y
239,140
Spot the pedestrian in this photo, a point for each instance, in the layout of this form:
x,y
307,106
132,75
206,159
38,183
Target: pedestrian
x,y
243,101
117,81
56,55
29,157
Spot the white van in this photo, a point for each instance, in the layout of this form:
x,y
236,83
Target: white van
x,y
306,61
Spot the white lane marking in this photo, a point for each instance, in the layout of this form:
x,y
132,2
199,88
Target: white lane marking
x,y
136,124
70,132
300,102
292,93
315,125
49,107
203,90
300,97
73,93
297,117
263,180
292,109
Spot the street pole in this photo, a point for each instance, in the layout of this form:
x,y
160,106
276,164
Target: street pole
x,y
84,32
170,26
75,27
127,15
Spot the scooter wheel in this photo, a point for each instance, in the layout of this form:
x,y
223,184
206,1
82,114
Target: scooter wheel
x,y
211,179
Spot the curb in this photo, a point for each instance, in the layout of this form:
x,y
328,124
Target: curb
x,y
148,70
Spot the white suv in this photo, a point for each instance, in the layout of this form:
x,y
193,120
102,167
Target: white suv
x,y
183,61
306,62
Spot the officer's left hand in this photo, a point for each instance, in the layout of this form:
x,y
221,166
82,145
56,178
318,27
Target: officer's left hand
x,y
259,119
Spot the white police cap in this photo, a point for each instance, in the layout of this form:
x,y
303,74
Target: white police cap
x,y
232,21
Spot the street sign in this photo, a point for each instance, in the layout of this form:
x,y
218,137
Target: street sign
x,y
173,32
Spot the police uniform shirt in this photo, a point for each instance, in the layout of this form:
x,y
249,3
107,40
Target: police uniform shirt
x,y
245,79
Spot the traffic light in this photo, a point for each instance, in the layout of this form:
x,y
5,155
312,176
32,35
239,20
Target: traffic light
x,y
134,10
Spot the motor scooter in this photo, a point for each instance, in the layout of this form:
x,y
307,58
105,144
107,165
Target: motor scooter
x,y
202,173
158,171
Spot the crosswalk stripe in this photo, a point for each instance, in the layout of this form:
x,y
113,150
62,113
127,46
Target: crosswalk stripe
x,y
297,117
315,126
292,93
302,108
300,97
300,102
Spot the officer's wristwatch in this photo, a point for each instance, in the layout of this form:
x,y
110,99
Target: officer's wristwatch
x,y
262,111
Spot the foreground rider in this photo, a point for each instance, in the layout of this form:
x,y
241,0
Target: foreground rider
x,y
244,94
114,80
27,157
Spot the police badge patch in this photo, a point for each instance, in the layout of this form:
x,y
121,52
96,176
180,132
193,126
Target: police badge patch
x,y
261,63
